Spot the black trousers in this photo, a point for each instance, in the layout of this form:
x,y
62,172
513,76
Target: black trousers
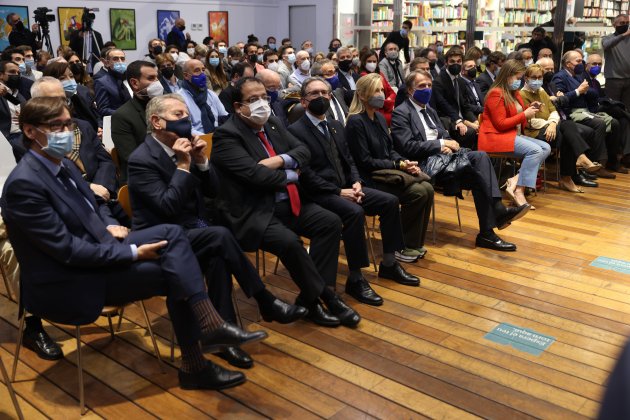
x,y
570,143
468,140
623,116
597,141
176,275
352,216
312,270
220,257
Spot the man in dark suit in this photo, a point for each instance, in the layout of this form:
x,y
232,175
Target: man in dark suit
x,y
418,133
338,110
10,102
258,163
74,257
129,124
109,89
418,63
472,93
16,56
451,102
271,80
493,64
332,180
240,70
347,77
169,177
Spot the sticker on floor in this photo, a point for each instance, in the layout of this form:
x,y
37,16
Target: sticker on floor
x,y
606,263
520,338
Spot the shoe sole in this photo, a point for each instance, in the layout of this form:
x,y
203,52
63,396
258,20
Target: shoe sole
x,y
37,351
217,388
495,249
366,302
515,218
405,259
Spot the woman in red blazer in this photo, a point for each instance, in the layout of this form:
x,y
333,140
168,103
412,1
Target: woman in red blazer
x,y
503,120
369,64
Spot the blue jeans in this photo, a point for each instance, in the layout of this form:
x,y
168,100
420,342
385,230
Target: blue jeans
x,y
533,152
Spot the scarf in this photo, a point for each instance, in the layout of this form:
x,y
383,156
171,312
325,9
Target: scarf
x,y
201,100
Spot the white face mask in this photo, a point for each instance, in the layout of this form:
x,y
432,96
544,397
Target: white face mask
x,y
529,62
259,112
272,66
370,67
155,89
190,52
305,65
291,58
175,56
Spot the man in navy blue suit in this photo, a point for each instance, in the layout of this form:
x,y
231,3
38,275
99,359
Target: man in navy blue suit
x,y
109,89
75,258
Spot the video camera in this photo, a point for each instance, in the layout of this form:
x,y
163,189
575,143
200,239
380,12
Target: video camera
x,y
87,19
43,16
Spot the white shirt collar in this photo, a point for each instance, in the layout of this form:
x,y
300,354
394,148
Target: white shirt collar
x,y
170,152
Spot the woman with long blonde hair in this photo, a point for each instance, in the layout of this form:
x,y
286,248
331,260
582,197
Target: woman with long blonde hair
x,y
502,126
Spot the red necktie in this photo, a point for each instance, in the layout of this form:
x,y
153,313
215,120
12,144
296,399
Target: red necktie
x,y
294,196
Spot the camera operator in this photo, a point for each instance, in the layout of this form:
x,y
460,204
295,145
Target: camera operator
x,y
20,35
77,37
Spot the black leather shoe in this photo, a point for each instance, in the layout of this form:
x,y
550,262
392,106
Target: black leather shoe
x,y
37,339
228,335
494,242
347,316
397,273
237,357
580,179
586,175
319,315
282,312
511,214
361,291
212,377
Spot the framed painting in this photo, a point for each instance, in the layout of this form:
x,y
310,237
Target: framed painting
x,y
69,21
5,28
165,22
218,27
123,28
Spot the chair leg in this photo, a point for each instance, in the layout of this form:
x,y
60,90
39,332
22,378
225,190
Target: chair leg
x,y
80,371
5,376
459,219
275,269
120,318
150,330
433,215
236,308
544,177
6,284
264,264
369,236
172,344
111,327
18,346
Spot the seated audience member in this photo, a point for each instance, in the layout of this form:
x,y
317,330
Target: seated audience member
x,y
169,176
109,89
285,68
239,71
333,57
419,63
167,77
451,102
100,69
271,80
200,52
83,260
544,53
369,64
504,120
538,42
338,109
319,57
271,43
80,100
308,47
129,124
41,59
81,76
217,79
30,71
155,49
205,107
390,65
430,55
418,133
334,45
271,60
493,66
332,180
234,56
548,126
257,161
372,149
570,81
24,84
12,101
347,75
302,69
251,55
472,92
527,56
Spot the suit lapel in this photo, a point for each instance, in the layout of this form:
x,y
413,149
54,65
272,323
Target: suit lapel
x,y
323,141
165,163
415,120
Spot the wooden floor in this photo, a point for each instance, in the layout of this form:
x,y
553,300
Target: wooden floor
x,y
421,355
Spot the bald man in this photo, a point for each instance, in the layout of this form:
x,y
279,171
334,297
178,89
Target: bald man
x,y
206,109
177,36
273,85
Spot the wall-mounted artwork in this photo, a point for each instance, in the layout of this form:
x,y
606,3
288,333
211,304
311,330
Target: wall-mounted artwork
x,y
218,26
123,28
5,28
165,22
69,21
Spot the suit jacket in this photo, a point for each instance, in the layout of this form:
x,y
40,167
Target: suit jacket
x,y
320,175
247,196
389,71
371,145
60,246
484,81
476,106
227,98
173,39
84,107
408,132
129,128
567,84
446,99
497,130
25,87
110,93
102,72
348,92
339,95
160,193
279,111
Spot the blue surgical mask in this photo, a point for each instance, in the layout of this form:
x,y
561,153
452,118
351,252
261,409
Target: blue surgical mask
x,y
291,58
70,86
534,84
273,95
199,81
579,69
595,70
59,144
403,33
222,50
214,61
29,63
22,67
334,81
422,96
515,85
272,46
440,49
120,67
260,58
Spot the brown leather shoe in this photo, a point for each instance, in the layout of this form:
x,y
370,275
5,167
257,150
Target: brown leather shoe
x,y
603,173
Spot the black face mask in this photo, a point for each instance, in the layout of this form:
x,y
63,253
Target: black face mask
x,y
181,127
167,72
319,106
472,73
345,65
334,49
19,25
13,82
454,69
547,77
182,28
76,68
253,58
622,29
432,65
157,50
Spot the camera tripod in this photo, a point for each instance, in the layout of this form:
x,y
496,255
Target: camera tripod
x,y
44,35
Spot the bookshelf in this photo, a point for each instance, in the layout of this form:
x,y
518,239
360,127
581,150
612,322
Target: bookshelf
x,y
598,11
435,20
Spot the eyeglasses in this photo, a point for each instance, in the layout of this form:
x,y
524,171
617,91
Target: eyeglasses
x,y
316,93
255,99
596,64
58,126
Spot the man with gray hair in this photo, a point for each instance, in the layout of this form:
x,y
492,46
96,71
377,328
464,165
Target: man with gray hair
x,y
617,54
206,110
273,85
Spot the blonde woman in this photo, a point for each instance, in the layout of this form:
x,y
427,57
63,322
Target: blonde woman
x,y
373,149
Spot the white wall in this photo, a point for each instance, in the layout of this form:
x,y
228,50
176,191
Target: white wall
x,y
262,18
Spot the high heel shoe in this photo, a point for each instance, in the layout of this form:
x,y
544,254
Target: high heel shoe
x,y
565,187
510,187
590,169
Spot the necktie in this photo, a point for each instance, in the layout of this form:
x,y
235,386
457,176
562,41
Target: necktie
x,y
324,127
340,117
427,119
79,199
456,86
294,196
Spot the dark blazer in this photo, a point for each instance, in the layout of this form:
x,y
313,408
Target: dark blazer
x,y
247,196
408,132
484,81
319,176
84,107
446,98
339,95
371,145
567,84
110,93
5,114
227,98
60,246
279,111
476,106
348,93
25,87
129,128
162,194
173,39
102,72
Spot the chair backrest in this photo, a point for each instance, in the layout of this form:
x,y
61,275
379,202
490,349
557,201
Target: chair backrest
x,y
114,154
123,199
208,139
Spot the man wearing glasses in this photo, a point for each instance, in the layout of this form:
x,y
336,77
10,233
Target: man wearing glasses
x,y
258,162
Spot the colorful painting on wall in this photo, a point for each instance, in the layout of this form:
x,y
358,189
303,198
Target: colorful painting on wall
x,y
218,26
123,28
5,28
165,22
69,21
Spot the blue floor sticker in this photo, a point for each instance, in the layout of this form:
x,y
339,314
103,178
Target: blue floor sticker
x,y
606,263
522,339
